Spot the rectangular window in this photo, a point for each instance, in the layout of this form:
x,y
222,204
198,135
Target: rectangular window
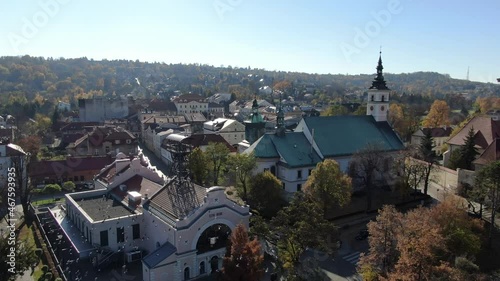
x,y
82,178
120,235
310,171
136,231
283,184
104,238
299,187
299,174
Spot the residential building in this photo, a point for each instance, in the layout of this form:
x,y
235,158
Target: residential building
x,y
63,106
439,137
9,153
231,130
220,98
78,170
490,154
104,141
193,141
100,108
190,103
486,130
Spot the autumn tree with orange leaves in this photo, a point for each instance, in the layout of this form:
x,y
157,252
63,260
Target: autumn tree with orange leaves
x,y
243,259
439,115
436,243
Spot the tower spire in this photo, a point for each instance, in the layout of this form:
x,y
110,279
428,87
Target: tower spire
x,y
280,120
378,82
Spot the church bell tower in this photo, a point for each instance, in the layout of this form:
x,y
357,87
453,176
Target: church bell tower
x,y
378,95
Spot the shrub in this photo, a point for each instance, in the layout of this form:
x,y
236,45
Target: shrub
x,y
69,186
51,189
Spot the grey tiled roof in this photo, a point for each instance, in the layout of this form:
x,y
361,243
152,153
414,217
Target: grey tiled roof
x,y
178,198
159,255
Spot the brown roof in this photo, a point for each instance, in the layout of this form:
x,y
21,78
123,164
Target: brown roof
x,y
438,132
490,154
139,184
108,175
104,133
59,167
178,200
162,105
485,128
189,98
198,140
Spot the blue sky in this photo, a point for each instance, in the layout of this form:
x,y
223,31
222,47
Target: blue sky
x,y
322,36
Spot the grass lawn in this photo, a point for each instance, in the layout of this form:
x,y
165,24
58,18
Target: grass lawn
x,y
49,201
27,233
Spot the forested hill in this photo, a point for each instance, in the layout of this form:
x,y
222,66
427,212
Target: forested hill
x,y
32,78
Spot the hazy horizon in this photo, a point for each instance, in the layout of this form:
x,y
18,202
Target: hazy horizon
x,y
323,37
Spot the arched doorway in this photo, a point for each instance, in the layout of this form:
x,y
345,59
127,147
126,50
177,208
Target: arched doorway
x,y
214,264
213,238
202,267
186,273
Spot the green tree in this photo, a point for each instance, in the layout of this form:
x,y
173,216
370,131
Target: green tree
x,y
487,185
51,189
329,185
198,166
466,154
427,154
468,151
243,260
69,186
242,165
335,110
266,194
299,226
25,257
217,155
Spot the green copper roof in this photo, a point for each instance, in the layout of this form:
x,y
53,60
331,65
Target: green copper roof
x,y
294,149
346,135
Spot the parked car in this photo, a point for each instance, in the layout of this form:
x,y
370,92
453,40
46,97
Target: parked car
x,y
362,235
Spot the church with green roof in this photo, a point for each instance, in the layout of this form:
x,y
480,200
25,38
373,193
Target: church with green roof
x,y
292,156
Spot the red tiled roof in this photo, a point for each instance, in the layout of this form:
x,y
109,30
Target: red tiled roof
x,y
490,154
486,131
70,165
438,132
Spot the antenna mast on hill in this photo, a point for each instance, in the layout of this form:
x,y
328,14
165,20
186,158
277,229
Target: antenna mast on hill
x,y
467,73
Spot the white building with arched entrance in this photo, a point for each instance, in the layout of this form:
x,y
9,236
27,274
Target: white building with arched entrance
x,y
188,231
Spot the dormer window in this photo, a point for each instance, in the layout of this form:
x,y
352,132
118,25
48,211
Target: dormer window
x,y
129,141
